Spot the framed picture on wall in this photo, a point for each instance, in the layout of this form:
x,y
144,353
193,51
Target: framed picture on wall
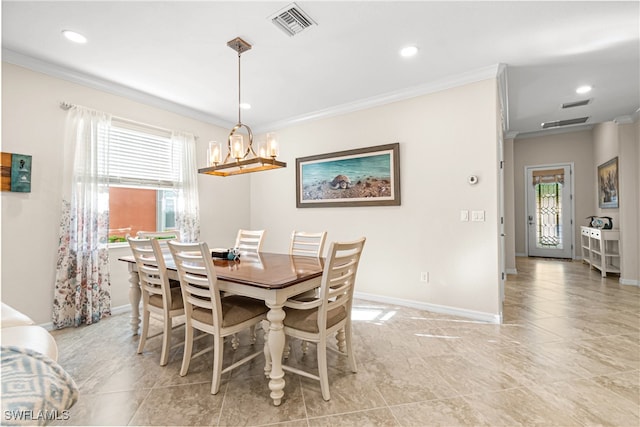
x,y
360,177
16,172
608,188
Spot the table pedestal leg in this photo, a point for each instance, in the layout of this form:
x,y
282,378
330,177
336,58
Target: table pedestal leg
x,y
134,298
267,352
276,347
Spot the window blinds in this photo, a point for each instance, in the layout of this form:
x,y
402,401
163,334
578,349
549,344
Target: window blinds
x,y
142,158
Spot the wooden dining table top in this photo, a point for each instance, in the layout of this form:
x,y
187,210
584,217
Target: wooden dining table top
x,y
265,269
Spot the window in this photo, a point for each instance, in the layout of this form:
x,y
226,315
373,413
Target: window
x,y
144,166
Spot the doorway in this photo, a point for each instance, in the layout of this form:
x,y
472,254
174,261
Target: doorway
x,y
550,210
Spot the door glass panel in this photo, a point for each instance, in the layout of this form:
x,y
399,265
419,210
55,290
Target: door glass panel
x,y
549,215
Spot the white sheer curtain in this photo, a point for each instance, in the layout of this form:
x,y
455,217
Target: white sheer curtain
x,y
187,206
82,289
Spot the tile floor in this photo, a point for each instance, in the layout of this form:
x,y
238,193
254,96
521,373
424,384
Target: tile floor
x,y
567,354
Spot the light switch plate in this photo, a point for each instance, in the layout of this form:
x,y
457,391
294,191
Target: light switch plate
x,y
464,215
477,216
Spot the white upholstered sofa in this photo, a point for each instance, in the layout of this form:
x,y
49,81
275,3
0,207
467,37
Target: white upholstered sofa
x,y
35,388
19,330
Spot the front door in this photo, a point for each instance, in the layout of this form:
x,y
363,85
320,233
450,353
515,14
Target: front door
x,y
549,211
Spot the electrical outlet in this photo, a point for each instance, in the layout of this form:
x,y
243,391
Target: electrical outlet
x,y
424,276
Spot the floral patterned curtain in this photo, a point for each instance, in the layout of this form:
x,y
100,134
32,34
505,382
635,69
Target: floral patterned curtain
x,y
82,289
187,206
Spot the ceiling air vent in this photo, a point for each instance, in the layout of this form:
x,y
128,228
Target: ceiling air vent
x,y
292,20
576,103
560,123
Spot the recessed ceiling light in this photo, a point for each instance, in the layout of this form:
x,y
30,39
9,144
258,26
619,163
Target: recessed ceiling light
x,y
408,51
583,89
245,106
74,37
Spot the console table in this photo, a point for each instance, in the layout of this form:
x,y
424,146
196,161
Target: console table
x,y
601,249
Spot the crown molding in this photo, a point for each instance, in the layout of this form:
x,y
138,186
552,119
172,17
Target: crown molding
x,y
631,118
389,97
511,134
74,76
547,132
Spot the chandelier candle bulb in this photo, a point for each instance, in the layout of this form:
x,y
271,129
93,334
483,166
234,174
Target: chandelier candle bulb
x,y
272,145
237,144
262,150
214,153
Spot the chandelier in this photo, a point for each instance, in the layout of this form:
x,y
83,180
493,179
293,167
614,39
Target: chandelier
x,y
240,158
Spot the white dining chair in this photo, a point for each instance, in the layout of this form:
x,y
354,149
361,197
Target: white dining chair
x,y
304,243
158,297
307,244
249,240
160,235
315,320
163,237
208,311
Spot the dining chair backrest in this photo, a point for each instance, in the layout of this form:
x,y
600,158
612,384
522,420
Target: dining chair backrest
x,y
338,278
249,240
307,244
198,279
152,269
162,236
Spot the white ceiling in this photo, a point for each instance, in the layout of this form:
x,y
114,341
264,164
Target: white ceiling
x,y
175,54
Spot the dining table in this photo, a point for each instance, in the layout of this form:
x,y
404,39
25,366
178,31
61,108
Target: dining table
x,y
270,277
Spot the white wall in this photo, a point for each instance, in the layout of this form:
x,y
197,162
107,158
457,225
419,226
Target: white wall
x,y
576,147
629,174
622,141
32,123
509,208
605,147
444,137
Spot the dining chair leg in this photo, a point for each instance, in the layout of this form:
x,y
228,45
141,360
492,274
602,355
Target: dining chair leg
x,y
218,348
350,354
340,338
166,340
235,341
322,368
267,353
252,334
188,348
287,348
145,330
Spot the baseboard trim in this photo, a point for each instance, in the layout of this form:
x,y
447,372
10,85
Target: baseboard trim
x,y
115,310
521,254
512,271
121,309
629,282
470,314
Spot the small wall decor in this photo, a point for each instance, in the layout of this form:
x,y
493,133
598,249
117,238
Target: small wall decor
x,y
361,177
608,189
16,172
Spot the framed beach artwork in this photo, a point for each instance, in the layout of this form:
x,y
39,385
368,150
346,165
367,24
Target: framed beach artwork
x,y
360,177
608,189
